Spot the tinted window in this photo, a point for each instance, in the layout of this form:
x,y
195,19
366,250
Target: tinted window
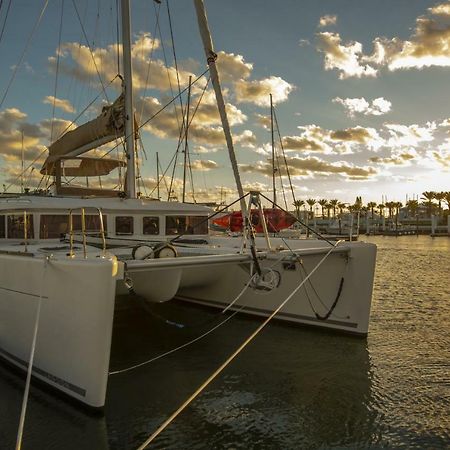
x,y
150,225
52,226
92,222
16,227
124,225
2,227
186,225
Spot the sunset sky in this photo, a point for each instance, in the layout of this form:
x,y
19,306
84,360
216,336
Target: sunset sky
x,y
360,90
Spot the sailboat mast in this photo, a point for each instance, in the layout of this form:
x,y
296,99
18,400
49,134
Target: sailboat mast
x,y
211,59
129,110
273,155
186,147
157,175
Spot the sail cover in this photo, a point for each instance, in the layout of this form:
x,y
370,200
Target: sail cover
x,y
109,125
85,166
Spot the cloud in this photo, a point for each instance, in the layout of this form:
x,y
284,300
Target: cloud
x,y
232,67
312,165
427,46
201,149
398,160
62,104
327,20
203,165
409,135
258,91
347,58
353,106
301,143
205,127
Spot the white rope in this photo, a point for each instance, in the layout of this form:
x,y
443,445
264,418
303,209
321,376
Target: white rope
x,y
186,403
198,338
30,363
192,341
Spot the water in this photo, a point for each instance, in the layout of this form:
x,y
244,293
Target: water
x,y
291,388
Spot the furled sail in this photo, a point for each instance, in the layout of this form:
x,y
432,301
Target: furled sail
x,y
109,125
85,166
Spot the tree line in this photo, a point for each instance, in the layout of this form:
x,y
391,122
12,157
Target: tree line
x,y
431,200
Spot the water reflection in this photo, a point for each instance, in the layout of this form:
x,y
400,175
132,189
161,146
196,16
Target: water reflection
x,y
51,423
292,387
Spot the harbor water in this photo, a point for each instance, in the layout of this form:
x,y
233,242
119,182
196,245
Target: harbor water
x,y
291,388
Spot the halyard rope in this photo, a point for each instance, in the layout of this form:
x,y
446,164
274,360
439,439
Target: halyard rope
x,y
217,372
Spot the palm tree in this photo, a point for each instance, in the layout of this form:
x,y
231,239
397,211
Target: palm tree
x,y
323,203
371,206
447,199
311,202
397,206
413,206
298,204
381,207
329,207
390,206
341,206
428,197
439,196
333,204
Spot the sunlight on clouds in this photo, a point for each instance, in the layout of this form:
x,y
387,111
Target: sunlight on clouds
x,y
327,20
353,106
258,91
428,46
345,58
62,104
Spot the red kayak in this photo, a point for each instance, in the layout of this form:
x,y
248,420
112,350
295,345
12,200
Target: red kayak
x,y
276,220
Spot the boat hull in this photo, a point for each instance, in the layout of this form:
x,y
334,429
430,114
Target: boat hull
x,y
75,325
351,265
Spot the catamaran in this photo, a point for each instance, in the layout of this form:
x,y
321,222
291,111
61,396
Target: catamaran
x,y
64,258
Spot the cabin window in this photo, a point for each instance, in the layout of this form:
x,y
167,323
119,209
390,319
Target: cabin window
x,y
186,225
124,225
16,227
2,227
92,222
53,226
150,225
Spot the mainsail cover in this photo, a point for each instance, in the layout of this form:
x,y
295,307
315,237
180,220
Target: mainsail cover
x,y
109,125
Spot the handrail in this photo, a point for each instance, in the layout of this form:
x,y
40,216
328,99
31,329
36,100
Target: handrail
x,y
83,229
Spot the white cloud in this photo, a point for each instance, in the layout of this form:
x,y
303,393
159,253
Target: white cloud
x,y
62,104
258,91
327,20
353,106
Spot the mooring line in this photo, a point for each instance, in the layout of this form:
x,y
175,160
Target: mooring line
x,y
217,372
30,363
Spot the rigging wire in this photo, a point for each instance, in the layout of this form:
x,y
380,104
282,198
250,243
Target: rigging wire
x,y
57,71
90,50
6,18
227,362
150,58
16,67
284,154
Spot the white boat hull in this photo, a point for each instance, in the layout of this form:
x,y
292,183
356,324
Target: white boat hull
x,y
354,263
75,326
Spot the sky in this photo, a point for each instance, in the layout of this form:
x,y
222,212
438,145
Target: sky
x,y
360,91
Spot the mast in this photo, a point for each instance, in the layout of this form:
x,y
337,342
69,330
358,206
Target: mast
x,y
129,110
273,154
186,148
157,175
211,59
